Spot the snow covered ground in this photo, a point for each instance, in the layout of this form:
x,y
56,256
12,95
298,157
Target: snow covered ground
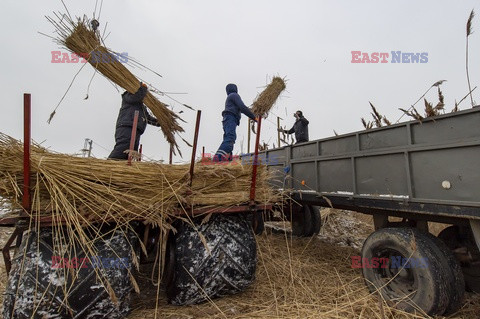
x,y
4,207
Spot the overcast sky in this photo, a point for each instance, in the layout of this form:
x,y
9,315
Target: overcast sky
x,y
200,46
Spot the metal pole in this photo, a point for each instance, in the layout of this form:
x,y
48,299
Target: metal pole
x,y
194,150
133,137
26,203
140,152
203,152
278,126
248,136
255,163
90,148
170,157
27,120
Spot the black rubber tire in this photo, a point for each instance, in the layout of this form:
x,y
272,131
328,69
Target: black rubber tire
x,y
316,220
227,268
302,222
456,281
426,286
258,222
286,210
472,278
452,237
87,297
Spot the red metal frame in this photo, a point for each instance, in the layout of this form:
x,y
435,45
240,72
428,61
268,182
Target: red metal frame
x,y
27,120
26,198
255,163
133,137
47,220
221,210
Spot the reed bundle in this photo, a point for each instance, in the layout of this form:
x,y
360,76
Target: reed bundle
x,y
267,98
88,190
79,38
82,195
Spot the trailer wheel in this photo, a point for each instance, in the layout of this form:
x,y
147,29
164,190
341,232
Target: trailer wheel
x,y
424,286
472,278
316,220
454,239
456,288
37,290
306,221
257,222
226,266
301,221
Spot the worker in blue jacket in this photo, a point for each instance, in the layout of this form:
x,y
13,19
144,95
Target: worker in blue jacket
x,y
123,128
234,106
300,128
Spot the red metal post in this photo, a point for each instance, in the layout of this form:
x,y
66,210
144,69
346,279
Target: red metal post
x,y
133,137
194,150
26,202
248,134
27,136
255,163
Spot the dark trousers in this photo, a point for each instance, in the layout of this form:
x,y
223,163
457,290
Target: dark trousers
x,y
229,136
123,135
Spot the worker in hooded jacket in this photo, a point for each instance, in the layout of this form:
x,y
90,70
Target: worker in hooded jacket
x,y
234,106
300,128
123,128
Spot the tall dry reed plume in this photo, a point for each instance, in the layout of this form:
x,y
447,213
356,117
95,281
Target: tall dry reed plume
x,y
411,111
429,110
469,32
378,119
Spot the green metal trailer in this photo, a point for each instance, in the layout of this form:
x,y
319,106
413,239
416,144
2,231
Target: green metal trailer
x,y
418,171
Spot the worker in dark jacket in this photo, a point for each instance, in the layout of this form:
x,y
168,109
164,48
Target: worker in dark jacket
x,y
234,106
300,128
123,128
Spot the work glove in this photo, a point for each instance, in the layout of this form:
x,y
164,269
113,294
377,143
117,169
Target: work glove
x,y
143,84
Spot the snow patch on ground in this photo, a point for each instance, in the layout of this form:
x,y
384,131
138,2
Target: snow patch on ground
x,y
345,228
4,208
